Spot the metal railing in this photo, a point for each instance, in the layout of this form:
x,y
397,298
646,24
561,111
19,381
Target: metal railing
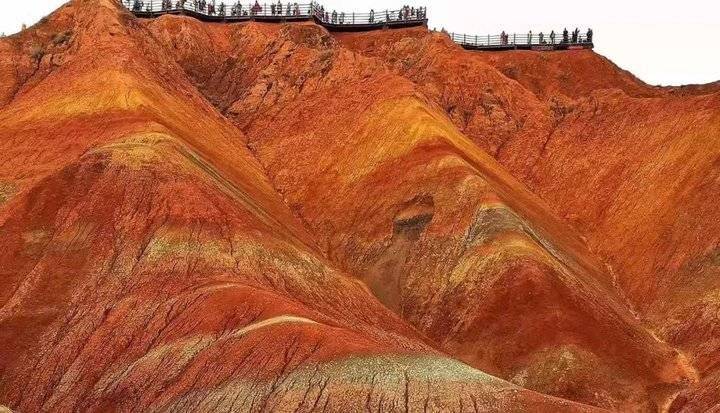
x,y
218,10
221,9
528,40
279,10
404,15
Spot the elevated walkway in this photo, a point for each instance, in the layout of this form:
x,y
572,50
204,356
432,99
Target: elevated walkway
x,y
220,11
360,22
535,41
278,13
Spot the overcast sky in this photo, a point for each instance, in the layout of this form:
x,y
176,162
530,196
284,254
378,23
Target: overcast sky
x,y
661,41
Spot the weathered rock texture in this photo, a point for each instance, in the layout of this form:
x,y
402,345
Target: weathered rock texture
x,y
258,217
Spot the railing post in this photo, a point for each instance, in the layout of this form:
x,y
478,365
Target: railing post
x,y
353,17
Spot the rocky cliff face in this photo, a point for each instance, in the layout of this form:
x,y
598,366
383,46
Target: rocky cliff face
x,y
259,217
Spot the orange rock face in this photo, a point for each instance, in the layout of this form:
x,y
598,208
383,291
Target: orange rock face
x,y
261,217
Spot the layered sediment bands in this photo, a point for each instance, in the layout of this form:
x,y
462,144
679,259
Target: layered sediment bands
x,y
32,55
173,297
640,156
400,199
631,166
150,265
488,107
692,325
466,268
664,170
259,217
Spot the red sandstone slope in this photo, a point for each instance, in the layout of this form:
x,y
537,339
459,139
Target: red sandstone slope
x,y
647,207
586,113
155,265
648,170
435,227
152,266
634,168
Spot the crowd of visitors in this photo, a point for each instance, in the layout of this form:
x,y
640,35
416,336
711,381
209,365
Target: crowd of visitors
x,y
551,39
238,9
407,13
138,5
567,37
210,8
411,13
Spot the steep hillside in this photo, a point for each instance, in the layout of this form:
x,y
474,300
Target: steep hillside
x,y
436,228
634,168
150,264
639,156
267,217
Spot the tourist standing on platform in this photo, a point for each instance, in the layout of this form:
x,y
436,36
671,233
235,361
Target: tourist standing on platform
x,y
552,37
372,16
530,37
541,38
566,35
589,35
256,9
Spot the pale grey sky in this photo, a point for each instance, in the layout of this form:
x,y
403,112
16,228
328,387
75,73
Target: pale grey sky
x,y
661,41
